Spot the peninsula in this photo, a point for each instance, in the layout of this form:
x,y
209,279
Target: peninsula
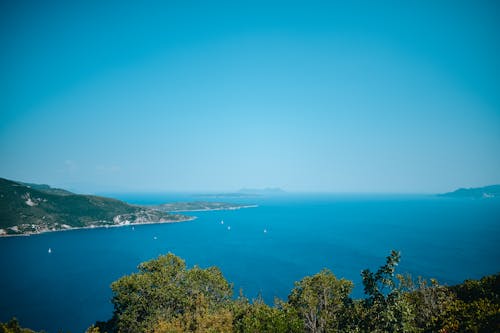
x,y
27,209
197,206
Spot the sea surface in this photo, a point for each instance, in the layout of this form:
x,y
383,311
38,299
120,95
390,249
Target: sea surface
x,y
265,250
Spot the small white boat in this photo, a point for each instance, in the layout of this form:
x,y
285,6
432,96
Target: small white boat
x,y
228,227
265,231
222,222
155,238
50,250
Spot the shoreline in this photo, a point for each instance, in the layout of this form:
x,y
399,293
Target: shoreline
x,y
187,219
190,218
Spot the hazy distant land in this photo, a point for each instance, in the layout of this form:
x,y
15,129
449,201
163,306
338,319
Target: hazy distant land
x,y
491,191
27,208
198,206
246,193
32,208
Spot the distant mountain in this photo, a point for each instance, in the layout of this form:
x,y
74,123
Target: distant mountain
x,y
228,195
245,193
262,191
33,208
492,191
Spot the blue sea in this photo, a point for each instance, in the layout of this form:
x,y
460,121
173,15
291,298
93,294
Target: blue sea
x,y
265,250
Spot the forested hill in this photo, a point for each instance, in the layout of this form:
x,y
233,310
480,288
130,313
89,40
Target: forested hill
x,y
30,208
492,191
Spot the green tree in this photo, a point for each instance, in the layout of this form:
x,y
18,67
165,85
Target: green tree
x,y
258,317
199,319
164,290
430,302
320,301
386,308
477,307
13,326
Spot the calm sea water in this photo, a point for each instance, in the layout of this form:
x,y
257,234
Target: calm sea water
x,y
68,289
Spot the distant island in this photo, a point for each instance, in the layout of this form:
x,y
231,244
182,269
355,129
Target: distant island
x,y
27,209
492,191
246,193
199,206
263,191
226,195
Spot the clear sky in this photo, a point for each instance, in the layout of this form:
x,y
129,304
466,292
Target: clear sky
x,y
347,96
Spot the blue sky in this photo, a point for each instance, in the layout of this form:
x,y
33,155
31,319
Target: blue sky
x,y
348,96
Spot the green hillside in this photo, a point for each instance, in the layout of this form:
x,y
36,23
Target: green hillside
x,y
30,208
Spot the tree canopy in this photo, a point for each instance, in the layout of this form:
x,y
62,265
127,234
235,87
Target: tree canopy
x,y
165,296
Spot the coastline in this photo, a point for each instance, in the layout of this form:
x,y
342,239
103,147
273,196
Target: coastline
x,y
187,219
190,218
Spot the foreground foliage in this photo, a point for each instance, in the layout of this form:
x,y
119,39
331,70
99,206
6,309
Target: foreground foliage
x,y
12,326
167,297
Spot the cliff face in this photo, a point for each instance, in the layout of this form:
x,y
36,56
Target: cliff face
x,y
31,208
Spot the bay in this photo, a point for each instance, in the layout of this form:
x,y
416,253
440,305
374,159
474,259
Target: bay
x,y
261,250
